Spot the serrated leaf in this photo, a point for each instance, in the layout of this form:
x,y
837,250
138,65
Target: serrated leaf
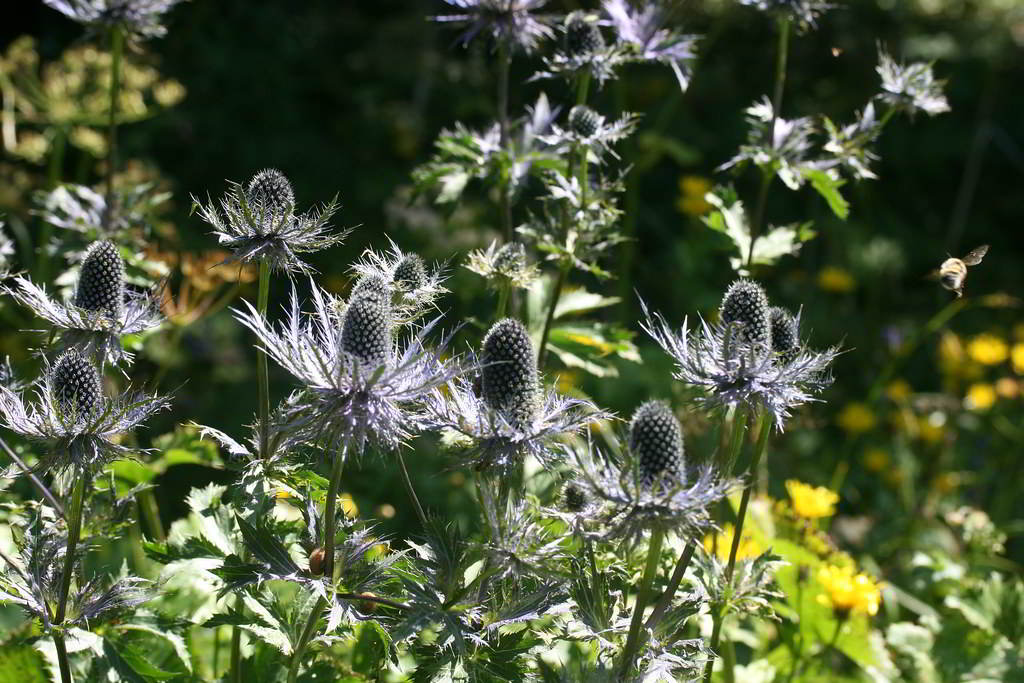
x,y
132,664
828,187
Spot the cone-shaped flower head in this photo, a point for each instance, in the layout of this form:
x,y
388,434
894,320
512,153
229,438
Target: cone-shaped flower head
x,y
745,305
785,335
584,121
75,384
574,498
411,273
366,329
373,287
510,259
509,375
270,191
582,36
656,442
101,280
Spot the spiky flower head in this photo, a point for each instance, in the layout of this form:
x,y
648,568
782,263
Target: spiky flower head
x,y
644,37
656,442
804,12
511,23
139,18
910,87
785,334
75,384
501,265
582,36
574,498
371,286
411,273
583,120
509,375
6,251
366,330
510,258
102,309
745,309
101,280
259,222
271,190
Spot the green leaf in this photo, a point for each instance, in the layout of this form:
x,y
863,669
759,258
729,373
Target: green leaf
x,y
828,187
132,664
23,663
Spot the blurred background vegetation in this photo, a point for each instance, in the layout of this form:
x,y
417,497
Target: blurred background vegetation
x,y
347,98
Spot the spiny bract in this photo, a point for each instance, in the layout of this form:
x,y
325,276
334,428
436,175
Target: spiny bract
x,y
411,273
101,280
785,335
509,375
75,384
366,330
746,303
656,442
582,37
269,190
584,121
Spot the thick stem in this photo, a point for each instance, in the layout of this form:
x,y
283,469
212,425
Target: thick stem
x,y
304,638
116,47
673,585
781,56
503,295
504,64
62,657
262,373
412,491
556,294
642,597
74,534
147,501
764,431
32,477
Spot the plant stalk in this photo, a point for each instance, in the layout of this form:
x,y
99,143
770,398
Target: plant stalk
x,y
673,585
642,597
74,534
556,294
412,491
263,375
32,477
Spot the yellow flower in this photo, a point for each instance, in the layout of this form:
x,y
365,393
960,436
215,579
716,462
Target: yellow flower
x,y
846,591
721,543
988,349
1017,358
929,427
980,396
898,390
811,502
856,418
947,482
693,189
876,459
835,279
1007,387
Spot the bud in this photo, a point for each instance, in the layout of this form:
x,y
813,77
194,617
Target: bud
x,y
746,303
316,561
785,335
656,441
584,121
75,384
270,191
366,329
101,280
509,377
411,273
510,259
372,286
574,499
582,37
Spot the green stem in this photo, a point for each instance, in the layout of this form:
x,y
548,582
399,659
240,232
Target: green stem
x,y
764,431
116,47
673,585
62,657
781,56
304,638
262,373
32,477
503,294
556,294
412,491
642,597
147,502
74,534
729,661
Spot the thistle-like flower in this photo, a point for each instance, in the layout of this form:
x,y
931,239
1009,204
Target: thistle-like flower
x,y
745,307
785,334
82,209
509,416
138,18
33,581
648,486
735,361
412,286
590,130
259,222
359,384
804,12
849,144
6,251
511,23
910,87
503,264
644,38
102,309
71,417
583,50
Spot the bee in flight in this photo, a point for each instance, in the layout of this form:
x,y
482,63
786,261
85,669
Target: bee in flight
x,y
953,271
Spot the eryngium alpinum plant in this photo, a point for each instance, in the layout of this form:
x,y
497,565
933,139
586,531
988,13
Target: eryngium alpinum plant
x,y
71,419
101,311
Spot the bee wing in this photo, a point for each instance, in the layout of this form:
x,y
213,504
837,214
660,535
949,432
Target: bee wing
x,y
975,255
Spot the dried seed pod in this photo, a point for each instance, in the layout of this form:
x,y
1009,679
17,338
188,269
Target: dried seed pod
x,y
656,441
317,560
101,280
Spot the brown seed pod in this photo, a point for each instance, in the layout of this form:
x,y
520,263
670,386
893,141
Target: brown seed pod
x,y
317,560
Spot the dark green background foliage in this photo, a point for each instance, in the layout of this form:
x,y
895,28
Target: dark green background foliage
x,y
347,97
